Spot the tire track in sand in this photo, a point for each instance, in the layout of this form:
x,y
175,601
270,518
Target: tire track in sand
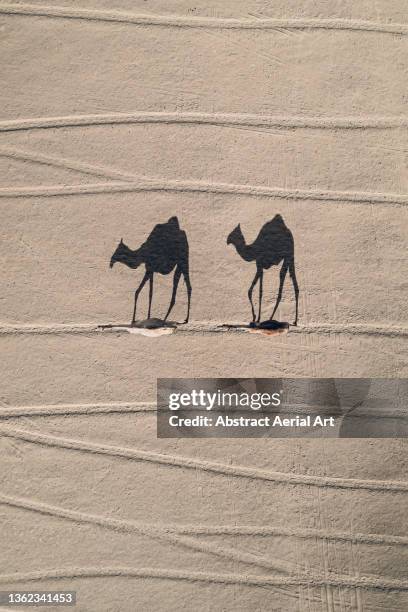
x,y
207,577
390,486
267,23
66,164
207,327
175,186
130,526
156,532
7,412
215,119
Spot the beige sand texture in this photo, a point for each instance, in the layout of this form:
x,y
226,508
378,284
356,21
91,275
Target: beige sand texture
x,y
114,116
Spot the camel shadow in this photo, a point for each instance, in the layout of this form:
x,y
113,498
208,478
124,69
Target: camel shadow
x,y
145,324
165,249
267,328
274,245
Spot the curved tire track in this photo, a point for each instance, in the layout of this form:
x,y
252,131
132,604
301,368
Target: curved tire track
x,y
215,119
171,186
156,532
390,486
169,574
129,526
202,22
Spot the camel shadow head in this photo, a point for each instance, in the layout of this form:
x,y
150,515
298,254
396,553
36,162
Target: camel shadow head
x,y
234,235
118,254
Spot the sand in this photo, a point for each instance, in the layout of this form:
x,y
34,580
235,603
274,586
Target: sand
x,y
115,116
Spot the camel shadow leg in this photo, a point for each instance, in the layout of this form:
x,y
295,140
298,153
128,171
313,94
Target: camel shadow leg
x,y
138,290
282,277
188,285
260,295
295,287
250,290
150,294
176,279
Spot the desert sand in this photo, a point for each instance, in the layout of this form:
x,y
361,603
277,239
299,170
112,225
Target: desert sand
x,y
115,116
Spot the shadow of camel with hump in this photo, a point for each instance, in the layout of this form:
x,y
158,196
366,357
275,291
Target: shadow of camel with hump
x,y
273,245
166,248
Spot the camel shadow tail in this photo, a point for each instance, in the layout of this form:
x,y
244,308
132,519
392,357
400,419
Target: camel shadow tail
x,y
274,245
165,250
